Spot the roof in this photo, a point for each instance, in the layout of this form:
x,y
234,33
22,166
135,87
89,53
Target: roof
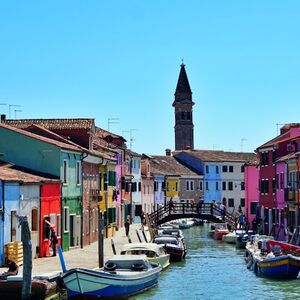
x,y
132,153
222,156
183,90
76,123
56,143
168,165
102,133
288,156
10,174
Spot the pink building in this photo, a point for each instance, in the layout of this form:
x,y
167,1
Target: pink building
x,y
251,192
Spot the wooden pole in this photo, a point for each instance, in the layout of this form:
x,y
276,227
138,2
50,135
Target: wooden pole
x,y
100,242
27,257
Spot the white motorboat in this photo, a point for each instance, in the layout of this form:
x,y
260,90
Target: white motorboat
x,y
154,252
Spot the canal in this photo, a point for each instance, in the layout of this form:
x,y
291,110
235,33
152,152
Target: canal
x,y
216,270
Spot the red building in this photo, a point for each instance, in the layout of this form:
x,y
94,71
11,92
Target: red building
x,y
50,210
268,154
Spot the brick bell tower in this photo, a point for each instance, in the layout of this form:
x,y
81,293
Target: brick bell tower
x,y
183,104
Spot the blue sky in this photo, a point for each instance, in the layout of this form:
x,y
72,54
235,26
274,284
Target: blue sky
x,y
121,59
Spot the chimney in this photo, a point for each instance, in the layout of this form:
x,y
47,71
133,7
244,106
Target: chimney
x,y
3,118
168,152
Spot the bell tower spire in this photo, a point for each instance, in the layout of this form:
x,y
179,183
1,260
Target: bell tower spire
x,y
183,104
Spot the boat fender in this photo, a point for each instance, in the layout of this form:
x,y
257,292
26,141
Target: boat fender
x,y
249,264
137,267
256,268
110,267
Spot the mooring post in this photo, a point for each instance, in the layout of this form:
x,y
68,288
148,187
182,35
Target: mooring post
x,y
100,242
113,246
27,257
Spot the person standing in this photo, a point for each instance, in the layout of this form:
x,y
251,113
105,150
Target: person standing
x,y
54,241
127,225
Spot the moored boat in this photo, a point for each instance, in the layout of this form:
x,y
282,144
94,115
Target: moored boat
x,y
122,276
173,245
220,230
154,252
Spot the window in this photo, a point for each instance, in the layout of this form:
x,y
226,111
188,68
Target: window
x,y
230,169
78,172
206,185
58,225
217,169
65,172
253,206
242,186
189,185
217,185
230,186
273,157
242,202
111,178
273,186
206,169
224,169
264,159
66,219
188,115
264,186
277,181
168,186
176,186
200,185
281,181
144,189
105,182
224,185
242,169
140,186
230,202
34,219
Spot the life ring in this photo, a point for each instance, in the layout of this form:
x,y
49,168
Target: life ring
x,y
137,267
110,267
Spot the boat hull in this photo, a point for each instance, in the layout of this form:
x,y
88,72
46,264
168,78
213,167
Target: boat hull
x,y
218,235
103,284
284,267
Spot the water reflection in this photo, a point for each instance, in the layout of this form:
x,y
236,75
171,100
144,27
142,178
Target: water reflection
x,y
216,270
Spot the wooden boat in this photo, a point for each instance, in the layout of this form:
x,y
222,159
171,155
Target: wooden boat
x,y
154,252
232,237
122,276
173,245
271,258
220,230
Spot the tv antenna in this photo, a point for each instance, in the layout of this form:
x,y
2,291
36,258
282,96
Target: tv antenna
x,y
9,108
17,110
131,138
112,121
242,143
277,127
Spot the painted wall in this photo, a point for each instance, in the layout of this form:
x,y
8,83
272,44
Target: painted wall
x,y
251,191
280,186
71,201
159,195
11,203
237,178
1,224
172,188
194,191
30,153
50,206
147,194
211,179
29,201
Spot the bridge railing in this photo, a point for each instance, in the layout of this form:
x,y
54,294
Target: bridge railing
x,y
189,210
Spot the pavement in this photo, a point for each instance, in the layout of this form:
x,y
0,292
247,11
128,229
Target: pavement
x,y
85,257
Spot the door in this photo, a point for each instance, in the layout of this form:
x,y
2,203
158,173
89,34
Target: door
x,y
72,223
35,232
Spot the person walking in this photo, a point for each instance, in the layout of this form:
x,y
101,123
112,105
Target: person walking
x,y
171,205
127,225
54,241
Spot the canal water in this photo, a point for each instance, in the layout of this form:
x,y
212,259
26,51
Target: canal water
x,y
216,270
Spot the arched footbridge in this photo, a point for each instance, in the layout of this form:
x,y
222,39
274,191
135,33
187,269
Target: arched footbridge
x,y
208,211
